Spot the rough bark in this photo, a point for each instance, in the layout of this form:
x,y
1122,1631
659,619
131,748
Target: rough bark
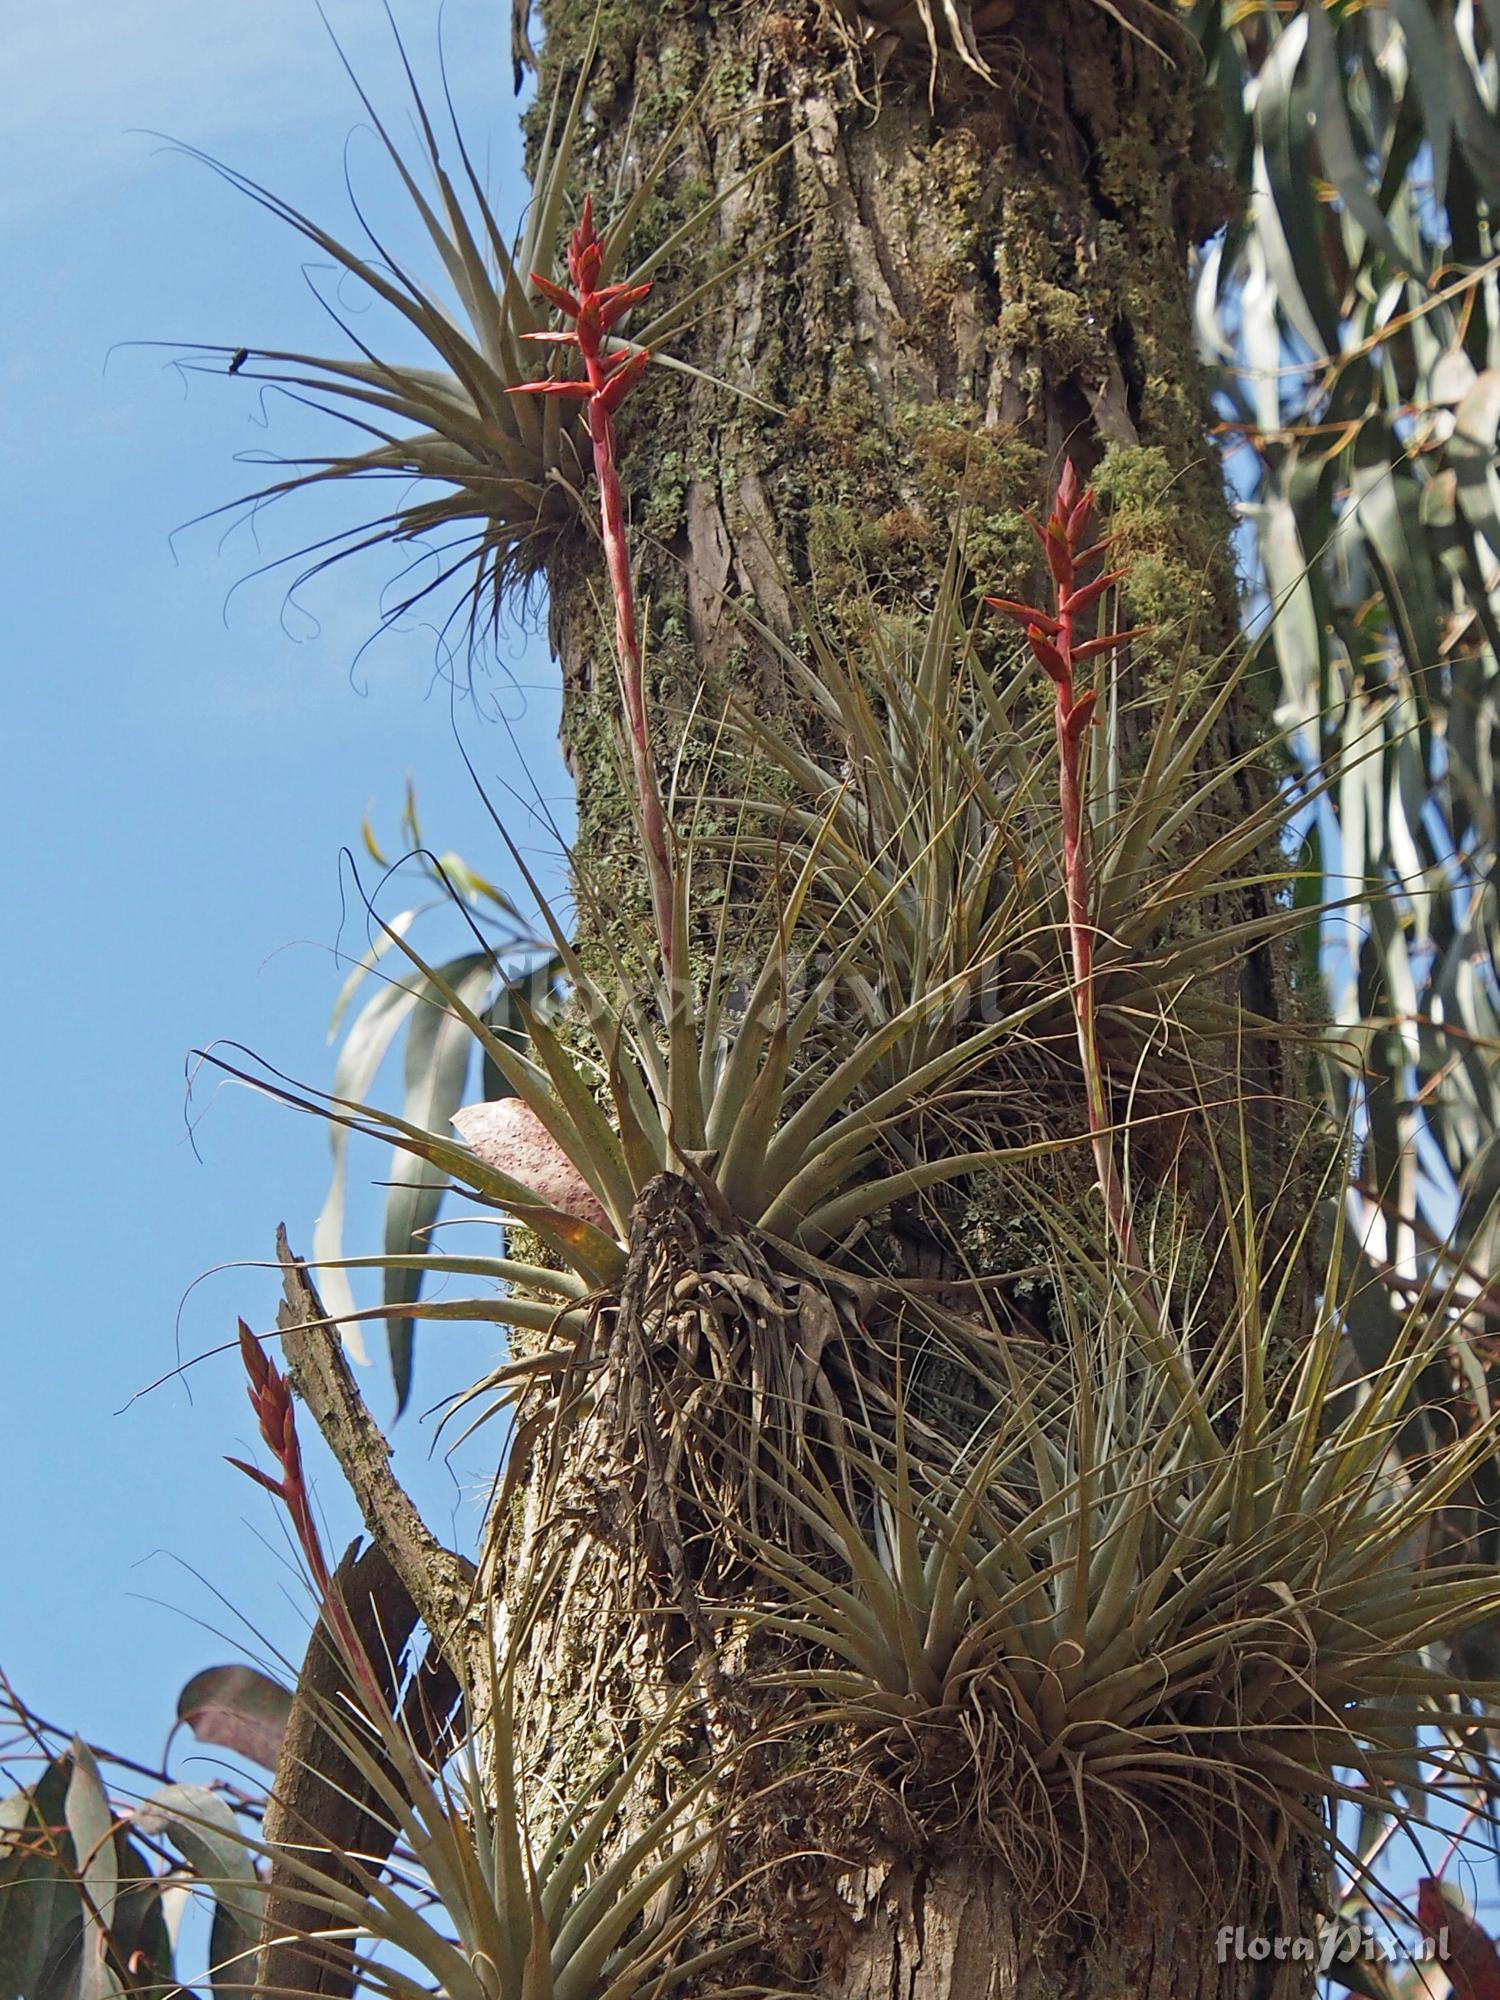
x,y
943,285
957,1930
940,300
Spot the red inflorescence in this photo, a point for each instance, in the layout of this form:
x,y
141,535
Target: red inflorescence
x,y
1052,638
608,379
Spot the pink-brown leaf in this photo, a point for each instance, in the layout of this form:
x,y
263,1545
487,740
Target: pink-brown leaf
x,y
238,1708
508,1136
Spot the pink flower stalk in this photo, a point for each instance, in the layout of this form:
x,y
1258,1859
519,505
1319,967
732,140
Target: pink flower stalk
x,y
1051,636
608,380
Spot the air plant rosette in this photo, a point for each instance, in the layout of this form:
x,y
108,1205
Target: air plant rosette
x,y
1109,1613
488,483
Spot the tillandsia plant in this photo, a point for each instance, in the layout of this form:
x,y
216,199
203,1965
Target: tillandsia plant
x,y
912,909
489,481
1107,1609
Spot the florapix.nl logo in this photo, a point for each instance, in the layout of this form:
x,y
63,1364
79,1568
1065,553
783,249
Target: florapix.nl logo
x,y
1337,1944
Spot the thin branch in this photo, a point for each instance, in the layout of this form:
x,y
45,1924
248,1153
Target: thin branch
x,y
439,1582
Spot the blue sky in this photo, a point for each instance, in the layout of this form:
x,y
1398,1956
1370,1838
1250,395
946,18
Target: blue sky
x,y
184,766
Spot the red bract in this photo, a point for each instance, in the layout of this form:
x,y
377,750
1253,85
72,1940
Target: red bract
x,y
1106,643
1089,593
1049,658
1050,635
608,380
1027,614
1081,515
271,1400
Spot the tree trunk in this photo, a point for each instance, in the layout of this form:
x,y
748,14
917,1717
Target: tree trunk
x,y
941,281
958,1932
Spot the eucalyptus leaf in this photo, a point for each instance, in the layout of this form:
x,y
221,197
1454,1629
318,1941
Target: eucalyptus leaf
x,y
239,1708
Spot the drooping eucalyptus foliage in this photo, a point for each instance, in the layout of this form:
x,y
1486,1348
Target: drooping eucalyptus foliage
x,y
1352,314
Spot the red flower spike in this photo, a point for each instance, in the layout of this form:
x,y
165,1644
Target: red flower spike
x,y
1090,593
607,381
1025,614
271,1400
1049,657
1050,636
